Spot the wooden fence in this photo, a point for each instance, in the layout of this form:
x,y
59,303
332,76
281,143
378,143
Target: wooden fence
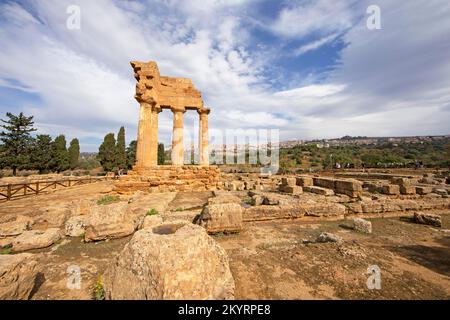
x,y
19,190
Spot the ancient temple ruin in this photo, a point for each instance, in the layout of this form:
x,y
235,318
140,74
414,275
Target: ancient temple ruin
x,y
154,94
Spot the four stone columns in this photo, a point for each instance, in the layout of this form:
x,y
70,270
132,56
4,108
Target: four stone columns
x,y
147,143
177,137
203,137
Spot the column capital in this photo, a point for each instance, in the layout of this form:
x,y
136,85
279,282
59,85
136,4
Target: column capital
x,y
153,106
203,111
177,109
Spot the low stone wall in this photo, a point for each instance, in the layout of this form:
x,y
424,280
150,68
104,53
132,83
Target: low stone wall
x,y
169,178
349,187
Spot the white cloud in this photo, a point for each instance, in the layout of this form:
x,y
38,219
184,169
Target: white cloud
x,y
389,81
321,16
311,46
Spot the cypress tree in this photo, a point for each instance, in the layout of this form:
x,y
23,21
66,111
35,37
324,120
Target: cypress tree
x,y
121,156
60,154
131,154
74,153
107,152
41,153
161,154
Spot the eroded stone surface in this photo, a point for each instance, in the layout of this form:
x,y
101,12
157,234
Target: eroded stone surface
x,y
362,225
428,218
18,275
171,261
35,239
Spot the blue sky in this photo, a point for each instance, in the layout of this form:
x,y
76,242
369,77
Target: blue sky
x,y
309,68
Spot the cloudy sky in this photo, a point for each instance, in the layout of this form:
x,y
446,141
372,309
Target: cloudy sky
x,y
309,68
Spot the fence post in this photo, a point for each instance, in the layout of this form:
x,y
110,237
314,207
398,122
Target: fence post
x,y
37,187
8,194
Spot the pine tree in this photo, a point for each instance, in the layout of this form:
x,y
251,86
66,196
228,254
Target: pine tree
x,y
16,141
161,154
121,156
131,154
74,153
41,153
107,152
60,154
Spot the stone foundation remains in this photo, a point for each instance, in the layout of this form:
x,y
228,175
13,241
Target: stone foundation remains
x,y
169,179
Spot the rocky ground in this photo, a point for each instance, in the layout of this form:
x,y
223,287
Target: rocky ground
x,y
273,259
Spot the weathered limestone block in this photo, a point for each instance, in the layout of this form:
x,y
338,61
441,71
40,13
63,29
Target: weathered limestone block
x,y
324,209
406,205
407,190
18,273
81,207
362,225
350,185
319,190
428,218
257,200
237,185
304,181
328,237
35,239
391,206
55,216
176,261
423,190
355,207
221,217
273,212
152,221
324,182
372,207
14,228
291,189
285,181
271,200
112,221
76,226
390,189
401,181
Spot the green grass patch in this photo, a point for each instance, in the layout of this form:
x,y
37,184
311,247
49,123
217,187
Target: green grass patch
x,y
6,249
179,209
152,212
108,200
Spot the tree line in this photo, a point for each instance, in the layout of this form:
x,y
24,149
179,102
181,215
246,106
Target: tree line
x,y
19,150
113,155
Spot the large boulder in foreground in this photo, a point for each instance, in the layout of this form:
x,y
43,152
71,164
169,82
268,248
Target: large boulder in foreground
x,y
18,273
112,221
35,239
176,260
221,215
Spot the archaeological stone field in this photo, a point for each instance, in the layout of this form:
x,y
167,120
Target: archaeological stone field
x,y
222,232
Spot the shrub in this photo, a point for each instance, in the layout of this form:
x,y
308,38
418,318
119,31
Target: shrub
x,y
108,199
99,292
6,249
152,212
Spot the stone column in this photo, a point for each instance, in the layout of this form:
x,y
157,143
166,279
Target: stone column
x,y
177,136
203,143
147,141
